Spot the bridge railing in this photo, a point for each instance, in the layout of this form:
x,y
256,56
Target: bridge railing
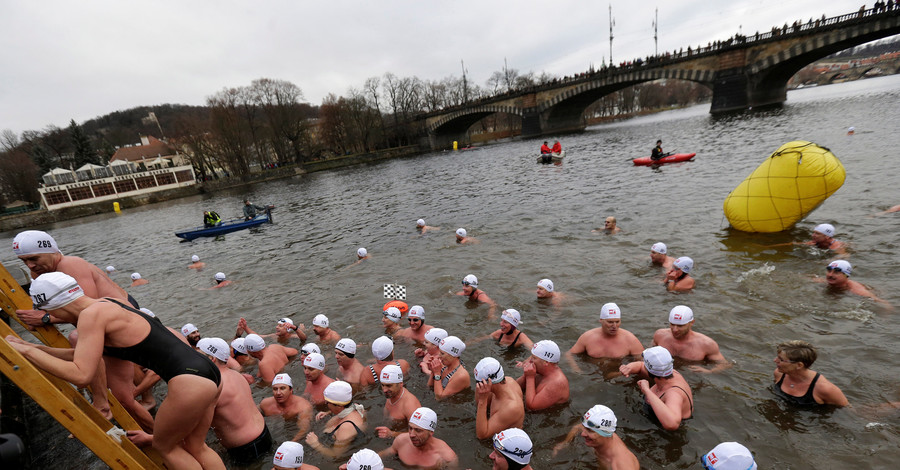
x,y
667,58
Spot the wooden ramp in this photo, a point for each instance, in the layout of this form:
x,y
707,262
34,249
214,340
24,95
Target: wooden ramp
x,y
62,401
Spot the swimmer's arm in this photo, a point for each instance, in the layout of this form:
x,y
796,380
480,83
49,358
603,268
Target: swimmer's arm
x,y
457,383
304,418
300,332
483,400
150,379
525,341
482,338
390,451
715,356
570,354
831,395
665,411
291,352
575,431
635,368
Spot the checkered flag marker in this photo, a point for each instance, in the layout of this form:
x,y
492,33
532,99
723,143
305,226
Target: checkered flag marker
x,y
394,291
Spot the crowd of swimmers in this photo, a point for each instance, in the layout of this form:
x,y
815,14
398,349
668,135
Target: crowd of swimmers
x,y
211,390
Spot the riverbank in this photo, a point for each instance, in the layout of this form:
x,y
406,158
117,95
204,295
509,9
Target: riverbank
x,y
44,217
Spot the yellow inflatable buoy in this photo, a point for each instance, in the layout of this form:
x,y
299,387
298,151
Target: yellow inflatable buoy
x,y
786,187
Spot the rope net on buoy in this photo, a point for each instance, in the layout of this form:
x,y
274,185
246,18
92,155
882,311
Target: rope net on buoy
x,y
787,186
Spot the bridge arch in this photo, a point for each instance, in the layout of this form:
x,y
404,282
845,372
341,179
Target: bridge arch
x,y
565,110
461,120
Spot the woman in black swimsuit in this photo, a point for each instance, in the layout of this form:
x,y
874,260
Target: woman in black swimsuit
x,y
107,327
796,383
344,428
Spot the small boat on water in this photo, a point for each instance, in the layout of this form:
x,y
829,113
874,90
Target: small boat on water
x,y
673,158
227,226
551,157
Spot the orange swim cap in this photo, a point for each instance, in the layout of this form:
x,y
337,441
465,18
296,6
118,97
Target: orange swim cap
x,y
401,305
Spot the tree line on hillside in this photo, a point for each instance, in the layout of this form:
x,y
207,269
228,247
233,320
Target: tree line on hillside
x,y
268,123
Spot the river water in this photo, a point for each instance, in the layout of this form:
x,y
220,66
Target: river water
x,y
535,221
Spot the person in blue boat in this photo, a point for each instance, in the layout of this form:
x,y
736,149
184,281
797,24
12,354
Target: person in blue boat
x,y
250,209
657,153
211,219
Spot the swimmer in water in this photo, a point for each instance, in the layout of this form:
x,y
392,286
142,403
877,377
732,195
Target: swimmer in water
x,y
658,256
610,340
838,280
668,405
196,263
423,229
678,277
609,227
462,237
137,280
598,429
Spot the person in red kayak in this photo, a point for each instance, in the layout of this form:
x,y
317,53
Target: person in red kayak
x,y
545,149
657,152
557,148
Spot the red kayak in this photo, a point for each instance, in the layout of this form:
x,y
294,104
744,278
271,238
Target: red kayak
x,y
674,158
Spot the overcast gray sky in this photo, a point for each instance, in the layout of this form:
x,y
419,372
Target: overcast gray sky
x,y
63,59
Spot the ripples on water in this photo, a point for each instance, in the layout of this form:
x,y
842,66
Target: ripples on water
x,y
535,221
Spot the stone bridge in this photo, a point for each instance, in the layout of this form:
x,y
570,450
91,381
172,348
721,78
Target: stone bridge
x,y
743,72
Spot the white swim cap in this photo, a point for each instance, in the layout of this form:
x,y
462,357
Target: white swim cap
x,y
393,314
382,347
452,346
470,280
825,229
610,310
391,374
195,258
659,247
284,320
424,418
346,345
601,420
220,276
842,266
254,343
435,336
110,269
289,455
238,345
658,361
362,253
339,392
187,329
283,379
681,315
546,350
310,348
511,316
314,360
547,284
729,456
215,347
461,232
321,321
54,290
135,276
147,311
515,445
416,311
420,223
489,368
685,264
32,242
366,459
